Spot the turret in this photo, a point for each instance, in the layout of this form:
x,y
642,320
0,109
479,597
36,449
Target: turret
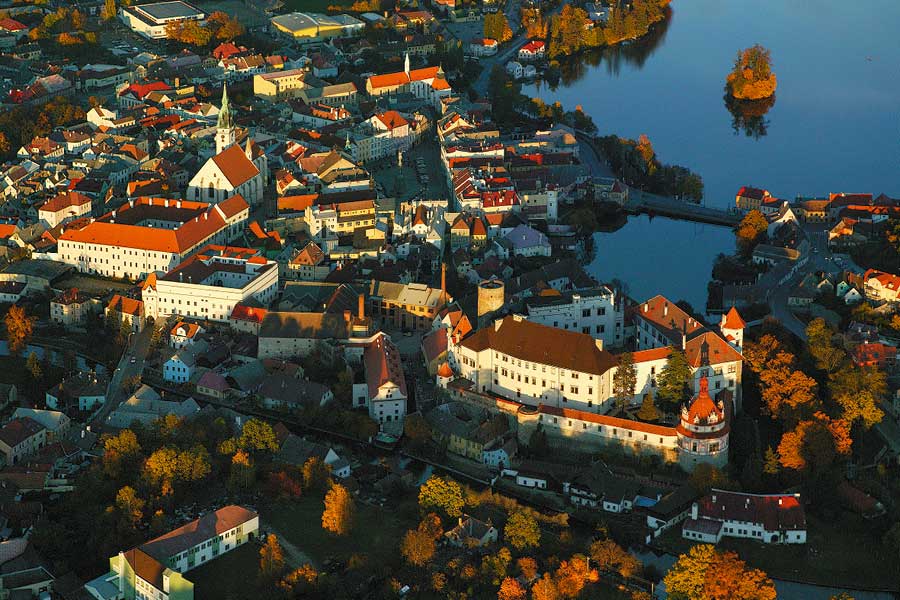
x,y
732,327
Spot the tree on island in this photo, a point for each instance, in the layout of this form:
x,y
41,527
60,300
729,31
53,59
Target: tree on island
x,y
752,77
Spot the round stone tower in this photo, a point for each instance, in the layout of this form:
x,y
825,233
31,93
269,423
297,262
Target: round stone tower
x,y
490,299
703,431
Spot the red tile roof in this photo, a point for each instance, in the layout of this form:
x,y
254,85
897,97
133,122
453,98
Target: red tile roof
x,y
242,312
382,361
392,119
733,320
235,165
126,305
65,200
752,192
776,512
617,422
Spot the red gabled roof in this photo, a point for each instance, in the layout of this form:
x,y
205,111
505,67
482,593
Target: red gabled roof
x,y
606,420
752,192
126,305
65,200
11,25
242,312
776,512
733,320
235,165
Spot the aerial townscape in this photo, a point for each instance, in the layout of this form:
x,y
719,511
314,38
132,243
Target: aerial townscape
x,y
383,299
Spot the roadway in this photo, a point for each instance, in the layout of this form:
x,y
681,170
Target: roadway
x,y
138,347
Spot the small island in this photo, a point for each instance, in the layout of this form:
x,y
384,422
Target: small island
x,y
752,77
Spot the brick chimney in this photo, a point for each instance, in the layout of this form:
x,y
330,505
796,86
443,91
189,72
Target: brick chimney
x,y
443,277
362,307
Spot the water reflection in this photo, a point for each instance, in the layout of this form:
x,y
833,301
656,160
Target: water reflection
x,y
612,58
749,116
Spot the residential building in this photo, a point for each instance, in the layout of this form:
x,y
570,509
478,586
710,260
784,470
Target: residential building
x,y
184,334
766,518
150,234
83,392
527,241
286,392
21,438
290,334
127,310
155,569
179,366
750,198
309,264
384,390
480,47
146,406
533,50
279,85
470,532
72,307
406,306
209,284
883,287
64,207
598,312
150,20
874,354
55,422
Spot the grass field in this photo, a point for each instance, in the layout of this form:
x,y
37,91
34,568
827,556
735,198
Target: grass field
x,y
232,576
376,532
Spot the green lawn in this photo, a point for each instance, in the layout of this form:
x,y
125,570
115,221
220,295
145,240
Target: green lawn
x,y
232,576
376,532
846,552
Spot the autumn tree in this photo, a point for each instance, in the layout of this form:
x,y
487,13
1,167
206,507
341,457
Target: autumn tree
x,y
19,328
416,430
108,12
522,531
243,472
572,575
610,556
751,231
752,77
130,505
417,547
771,462
528,568
33,366
442,494
815,444
316,474
706,477
820,340
859,392
545,588
299,582
648,410
494,566
339,510
4,145
271,557
225,26
674,379
120,452
706,574
624,380
258,436
285,485
511,589
787,392
496,27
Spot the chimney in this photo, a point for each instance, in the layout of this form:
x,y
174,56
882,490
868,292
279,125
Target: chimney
x,y
362,307
666,309
443,277
599,344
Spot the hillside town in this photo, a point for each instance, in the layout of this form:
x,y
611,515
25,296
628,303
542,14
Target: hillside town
x,y
296,304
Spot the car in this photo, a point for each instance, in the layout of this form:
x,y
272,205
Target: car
x,y
407,333
133,360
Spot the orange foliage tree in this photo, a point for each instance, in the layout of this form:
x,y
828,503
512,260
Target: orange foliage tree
x,y
752,78
815,444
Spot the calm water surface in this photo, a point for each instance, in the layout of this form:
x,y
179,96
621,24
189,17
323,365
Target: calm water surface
x,y
834,126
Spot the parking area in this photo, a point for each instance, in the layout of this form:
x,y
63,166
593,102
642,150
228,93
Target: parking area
x,y
421,174
466,31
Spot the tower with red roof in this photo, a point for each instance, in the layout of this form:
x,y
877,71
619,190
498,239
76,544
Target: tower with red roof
x,y
703,430
732,327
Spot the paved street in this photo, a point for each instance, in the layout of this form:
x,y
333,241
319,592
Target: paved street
x,y
138,347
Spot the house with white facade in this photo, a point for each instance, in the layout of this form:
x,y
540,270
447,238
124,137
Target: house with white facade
x,y
64,207
766,518
155,569
209,284
384,391
21,438
879,286
598,312
179,366
150,234
184,334
427,84
533,50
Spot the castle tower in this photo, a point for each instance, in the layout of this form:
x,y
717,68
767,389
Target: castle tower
x,y
225,135
491,296
703,431
732,327
444,375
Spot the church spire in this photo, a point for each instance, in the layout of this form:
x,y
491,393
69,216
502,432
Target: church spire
x,y
225,135
406,64
225,110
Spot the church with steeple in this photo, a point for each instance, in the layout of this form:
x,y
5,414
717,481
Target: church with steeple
x,y
233,169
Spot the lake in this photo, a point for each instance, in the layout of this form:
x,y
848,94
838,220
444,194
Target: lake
x,y
834,126
661,256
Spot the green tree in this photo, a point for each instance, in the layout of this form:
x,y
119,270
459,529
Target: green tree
x,y
339,510
673,381
648,410
772,462
494,566
522,531
624,380
108,12
443,494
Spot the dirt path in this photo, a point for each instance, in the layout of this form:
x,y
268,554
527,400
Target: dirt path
x,y
293,555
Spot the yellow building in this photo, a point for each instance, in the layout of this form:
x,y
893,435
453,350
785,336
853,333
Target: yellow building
x,y
279,85
316,27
